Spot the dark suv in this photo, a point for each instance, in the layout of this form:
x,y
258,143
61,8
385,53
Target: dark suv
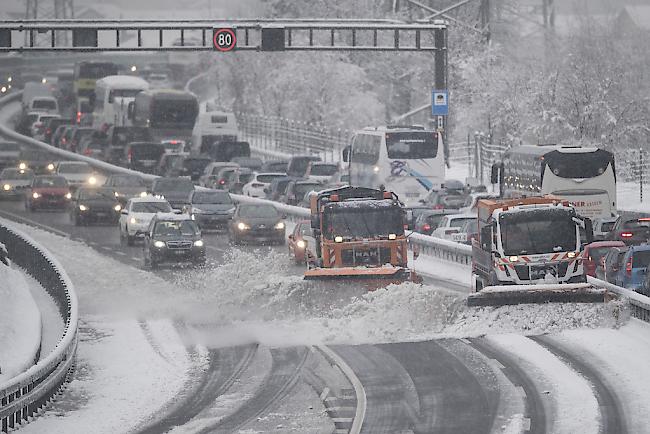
x,y
173,238
631,228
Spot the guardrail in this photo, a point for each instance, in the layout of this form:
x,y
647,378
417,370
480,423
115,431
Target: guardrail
x,y
27,393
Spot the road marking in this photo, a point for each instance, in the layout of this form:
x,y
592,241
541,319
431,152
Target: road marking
x,y
22,219
105,248
92,243
324,394
120,253
134,258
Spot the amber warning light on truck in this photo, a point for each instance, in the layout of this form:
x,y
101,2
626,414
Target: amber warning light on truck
x,y
224,39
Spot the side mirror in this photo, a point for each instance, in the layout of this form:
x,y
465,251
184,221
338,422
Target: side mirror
x,y
345,154
284,216
176,211
130,111
290,237
125,212
494,174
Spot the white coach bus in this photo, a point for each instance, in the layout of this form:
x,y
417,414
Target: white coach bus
x,y
112,97
406,160
585,176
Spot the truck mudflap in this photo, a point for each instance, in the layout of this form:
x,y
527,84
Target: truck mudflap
x,y
382,275
504,295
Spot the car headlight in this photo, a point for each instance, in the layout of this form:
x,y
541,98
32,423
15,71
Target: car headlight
x,y
22,166
571,255
242,226
68,195
117,208
133,220
514,258
159,244
50,167
198,243
143,194
6,187
36,195
279,225
83,208
117,194
301,244
92,180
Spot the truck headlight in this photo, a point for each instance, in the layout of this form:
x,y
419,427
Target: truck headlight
x,y
6,187
392,236
338,239
36,195
117,208
571,255
198,243
22,166
159,244
92,180
280,225
133,220
68,195
301,244
50,167
514,258
242,226
83,208
143,194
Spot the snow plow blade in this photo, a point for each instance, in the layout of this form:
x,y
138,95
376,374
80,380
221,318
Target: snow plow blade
x,y
386,275
526,294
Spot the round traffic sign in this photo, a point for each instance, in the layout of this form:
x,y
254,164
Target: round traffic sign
x,y
224,39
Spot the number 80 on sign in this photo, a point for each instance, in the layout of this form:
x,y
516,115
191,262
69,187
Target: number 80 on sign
x,y
224,39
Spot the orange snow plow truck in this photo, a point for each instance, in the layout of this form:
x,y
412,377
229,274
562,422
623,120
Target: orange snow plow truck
x,y
528,251
359,235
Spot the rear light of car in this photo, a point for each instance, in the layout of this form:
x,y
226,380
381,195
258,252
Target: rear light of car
x,y
48,131
438,207
222,181
78,117
626,234
628,267
87,152
426,227
129,156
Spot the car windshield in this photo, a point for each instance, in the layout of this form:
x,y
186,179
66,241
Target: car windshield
x,y
99,193
50,181
127,181
75,168
305,230
196,163
217,197
46,104
267,178
641,259
151,207
301,189
434,220
536,232
460,222
358,222
597,253
147,151
258,211
16,174
637,224
276,167
177,184
173,228
324,169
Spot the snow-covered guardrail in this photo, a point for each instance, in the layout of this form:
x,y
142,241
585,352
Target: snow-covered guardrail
x,y
639,304
27,393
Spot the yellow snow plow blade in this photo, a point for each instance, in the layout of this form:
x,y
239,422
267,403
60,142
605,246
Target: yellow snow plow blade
x,y
545,293
384,274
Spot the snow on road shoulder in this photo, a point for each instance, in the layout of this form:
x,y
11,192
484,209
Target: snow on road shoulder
x,y
442,269
568,399
20,324
623,355
119,380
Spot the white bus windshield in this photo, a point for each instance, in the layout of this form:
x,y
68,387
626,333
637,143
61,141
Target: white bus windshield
x,y
411,145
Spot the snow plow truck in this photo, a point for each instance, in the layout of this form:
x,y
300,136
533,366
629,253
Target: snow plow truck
x,y
359,234
528,251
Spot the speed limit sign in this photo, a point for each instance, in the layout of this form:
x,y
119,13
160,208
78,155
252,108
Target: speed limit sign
x,y
224,39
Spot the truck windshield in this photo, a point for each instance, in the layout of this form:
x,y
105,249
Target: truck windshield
x,y
362,222
537,232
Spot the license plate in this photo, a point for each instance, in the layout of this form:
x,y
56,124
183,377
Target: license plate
x,y
101,214
459,237
180,252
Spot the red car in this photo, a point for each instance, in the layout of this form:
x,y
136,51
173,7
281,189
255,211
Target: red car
x,y
595,252
301,241
48,191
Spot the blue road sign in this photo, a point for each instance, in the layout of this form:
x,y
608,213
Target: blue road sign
x,y
439,102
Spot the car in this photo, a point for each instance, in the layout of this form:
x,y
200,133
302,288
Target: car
x,y
175,190
25,124
449,226
94,205
52,126
173,146
446,199
193,166
468,232
58,135
48,192
76,136
256,222
9,154
296,190
340,179
93,146
593,254
169,164
238,178
301,242
277,188
126,186
38,161
210,208
78,173
14,182
429,220
319,171
298,164
143,156
631,228
211,172
119,137
275,166
159,80
137,214
252,163
412,214
602,227
611,264
634,267
221,180
471,201
173,238
255,187
39,126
